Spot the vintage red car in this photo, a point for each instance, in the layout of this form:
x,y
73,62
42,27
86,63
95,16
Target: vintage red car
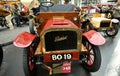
x,y
56,40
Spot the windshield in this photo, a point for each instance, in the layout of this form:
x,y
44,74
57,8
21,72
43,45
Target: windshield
x,y
49,7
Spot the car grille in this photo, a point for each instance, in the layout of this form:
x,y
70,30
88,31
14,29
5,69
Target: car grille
x,y
60,40
105,24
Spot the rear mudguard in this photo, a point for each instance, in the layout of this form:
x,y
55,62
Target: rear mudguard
x,y
94,37
24,40
115,20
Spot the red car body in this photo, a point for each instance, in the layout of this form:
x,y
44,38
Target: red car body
x,y
61,42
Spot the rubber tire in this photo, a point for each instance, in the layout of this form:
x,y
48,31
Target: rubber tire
x,y
97,57
26,51
26,66
1,55
114,34
6,24
13,21
31,27
88,27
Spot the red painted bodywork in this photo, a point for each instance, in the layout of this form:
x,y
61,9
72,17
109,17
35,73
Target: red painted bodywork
x,y
94,37
58,23
24,40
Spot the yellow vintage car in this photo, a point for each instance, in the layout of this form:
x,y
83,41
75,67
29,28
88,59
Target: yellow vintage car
x,y
100,22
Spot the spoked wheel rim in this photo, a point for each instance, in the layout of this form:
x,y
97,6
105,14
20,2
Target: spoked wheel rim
x,y
89,54
111,31
31,59
92,56
28,61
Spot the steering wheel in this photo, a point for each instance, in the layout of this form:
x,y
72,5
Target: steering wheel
x,y
47,4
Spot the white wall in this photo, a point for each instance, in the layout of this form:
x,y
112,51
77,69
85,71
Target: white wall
x,y
103,1
30,3
26,2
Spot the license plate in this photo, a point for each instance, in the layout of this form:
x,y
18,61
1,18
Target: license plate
x,y
57,57
66,67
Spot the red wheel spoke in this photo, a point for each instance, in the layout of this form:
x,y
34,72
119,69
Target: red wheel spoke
x,y
31,66
90,61
90,54
31,54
